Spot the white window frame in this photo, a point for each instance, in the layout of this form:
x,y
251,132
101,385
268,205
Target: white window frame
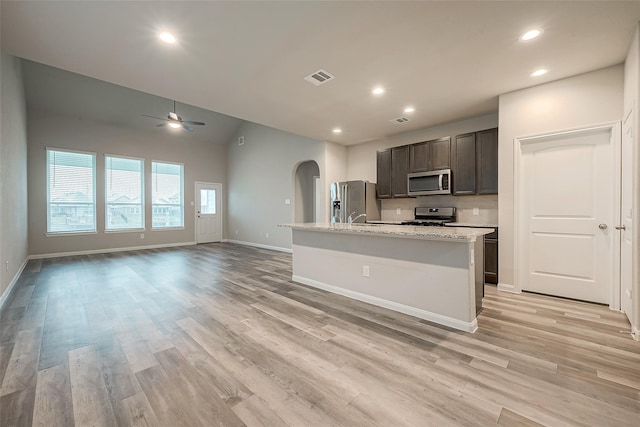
x,y
106,203
180,227
48,200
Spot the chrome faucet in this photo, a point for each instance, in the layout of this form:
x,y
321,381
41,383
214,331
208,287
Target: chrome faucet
x,y
351,220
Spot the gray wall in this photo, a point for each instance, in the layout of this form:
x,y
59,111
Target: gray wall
x,y
632,100
582,100
202,162
261,175
13,172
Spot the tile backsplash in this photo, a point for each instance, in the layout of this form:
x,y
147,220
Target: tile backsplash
x,y
487,205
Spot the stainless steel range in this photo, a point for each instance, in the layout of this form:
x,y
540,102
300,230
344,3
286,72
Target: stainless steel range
x,y
432,217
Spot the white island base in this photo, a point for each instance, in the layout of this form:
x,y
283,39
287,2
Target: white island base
x,y
439,279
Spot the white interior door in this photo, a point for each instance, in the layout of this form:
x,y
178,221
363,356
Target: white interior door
x,y
208,212
567,187
626,260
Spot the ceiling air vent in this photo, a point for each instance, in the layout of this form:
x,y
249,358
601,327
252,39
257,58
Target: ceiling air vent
x,y
319,77
400,120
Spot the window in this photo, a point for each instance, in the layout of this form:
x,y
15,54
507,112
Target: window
x,y
71,191
207,201
166,195
124,193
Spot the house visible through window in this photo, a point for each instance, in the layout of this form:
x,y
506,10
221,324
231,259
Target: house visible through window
x,y
124,193
71,185
167,195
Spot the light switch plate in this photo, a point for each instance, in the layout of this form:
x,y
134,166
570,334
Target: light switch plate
x,y
476,211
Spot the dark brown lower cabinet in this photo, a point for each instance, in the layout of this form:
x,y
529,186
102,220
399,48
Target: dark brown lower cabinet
x,y
491,257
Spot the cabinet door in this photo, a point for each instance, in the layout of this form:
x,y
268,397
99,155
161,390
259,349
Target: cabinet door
x,y
439,156
383,186
399,171
418,155
491,261
487,160
463,165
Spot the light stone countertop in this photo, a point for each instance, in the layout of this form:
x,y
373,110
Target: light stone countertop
x,y
385,222
458,234
468,224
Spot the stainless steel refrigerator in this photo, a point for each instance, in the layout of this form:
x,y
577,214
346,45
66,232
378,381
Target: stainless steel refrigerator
x,y
355,200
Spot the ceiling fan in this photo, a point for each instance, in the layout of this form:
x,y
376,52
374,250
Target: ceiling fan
x,y
175,121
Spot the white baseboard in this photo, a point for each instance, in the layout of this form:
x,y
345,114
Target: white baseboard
x,y
109,250
508,288
7,292
258,245
412,311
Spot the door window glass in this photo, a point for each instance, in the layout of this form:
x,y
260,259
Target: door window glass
x,y
207,201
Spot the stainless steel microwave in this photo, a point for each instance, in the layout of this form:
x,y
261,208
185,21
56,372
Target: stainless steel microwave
x,y
428,183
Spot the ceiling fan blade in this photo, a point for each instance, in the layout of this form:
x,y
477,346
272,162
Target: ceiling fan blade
x,y
187,128
190,122
154,117
161,124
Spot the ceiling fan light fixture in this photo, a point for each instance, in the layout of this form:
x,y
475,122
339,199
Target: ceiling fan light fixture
x,y
175,125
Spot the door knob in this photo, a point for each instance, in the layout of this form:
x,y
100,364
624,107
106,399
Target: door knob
x,y
602,226
621,227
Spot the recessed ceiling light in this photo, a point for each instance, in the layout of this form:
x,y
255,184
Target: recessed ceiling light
x,y
175,125
167,37
530,35
337,130
538,73
409,110
378,91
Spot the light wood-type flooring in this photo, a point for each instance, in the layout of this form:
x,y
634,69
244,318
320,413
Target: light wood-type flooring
x,y
218,335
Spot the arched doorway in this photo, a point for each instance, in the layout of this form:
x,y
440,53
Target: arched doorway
x,y
306,178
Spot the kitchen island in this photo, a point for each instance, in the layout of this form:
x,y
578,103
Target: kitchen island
x,y
434,273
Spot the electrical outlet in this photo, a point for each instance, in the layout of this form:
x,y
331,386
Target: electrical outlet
x,y
476,211
287,201
6,266
142,235
236,232
398,211
266,235
365,270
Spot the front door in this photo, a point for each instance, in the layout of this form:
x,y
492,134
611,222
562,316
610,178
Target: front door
x,y
567,185
208,215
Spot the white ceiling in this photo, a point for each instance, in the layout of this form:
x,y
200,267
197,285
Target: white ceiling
x,y
247,59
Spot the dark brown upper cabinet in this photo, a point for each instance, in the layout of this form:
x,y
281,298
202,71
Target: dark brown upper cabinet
x,y
487,161
474,162
418,155
392,170
430,155
383,184
399,171
463,164
439,154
